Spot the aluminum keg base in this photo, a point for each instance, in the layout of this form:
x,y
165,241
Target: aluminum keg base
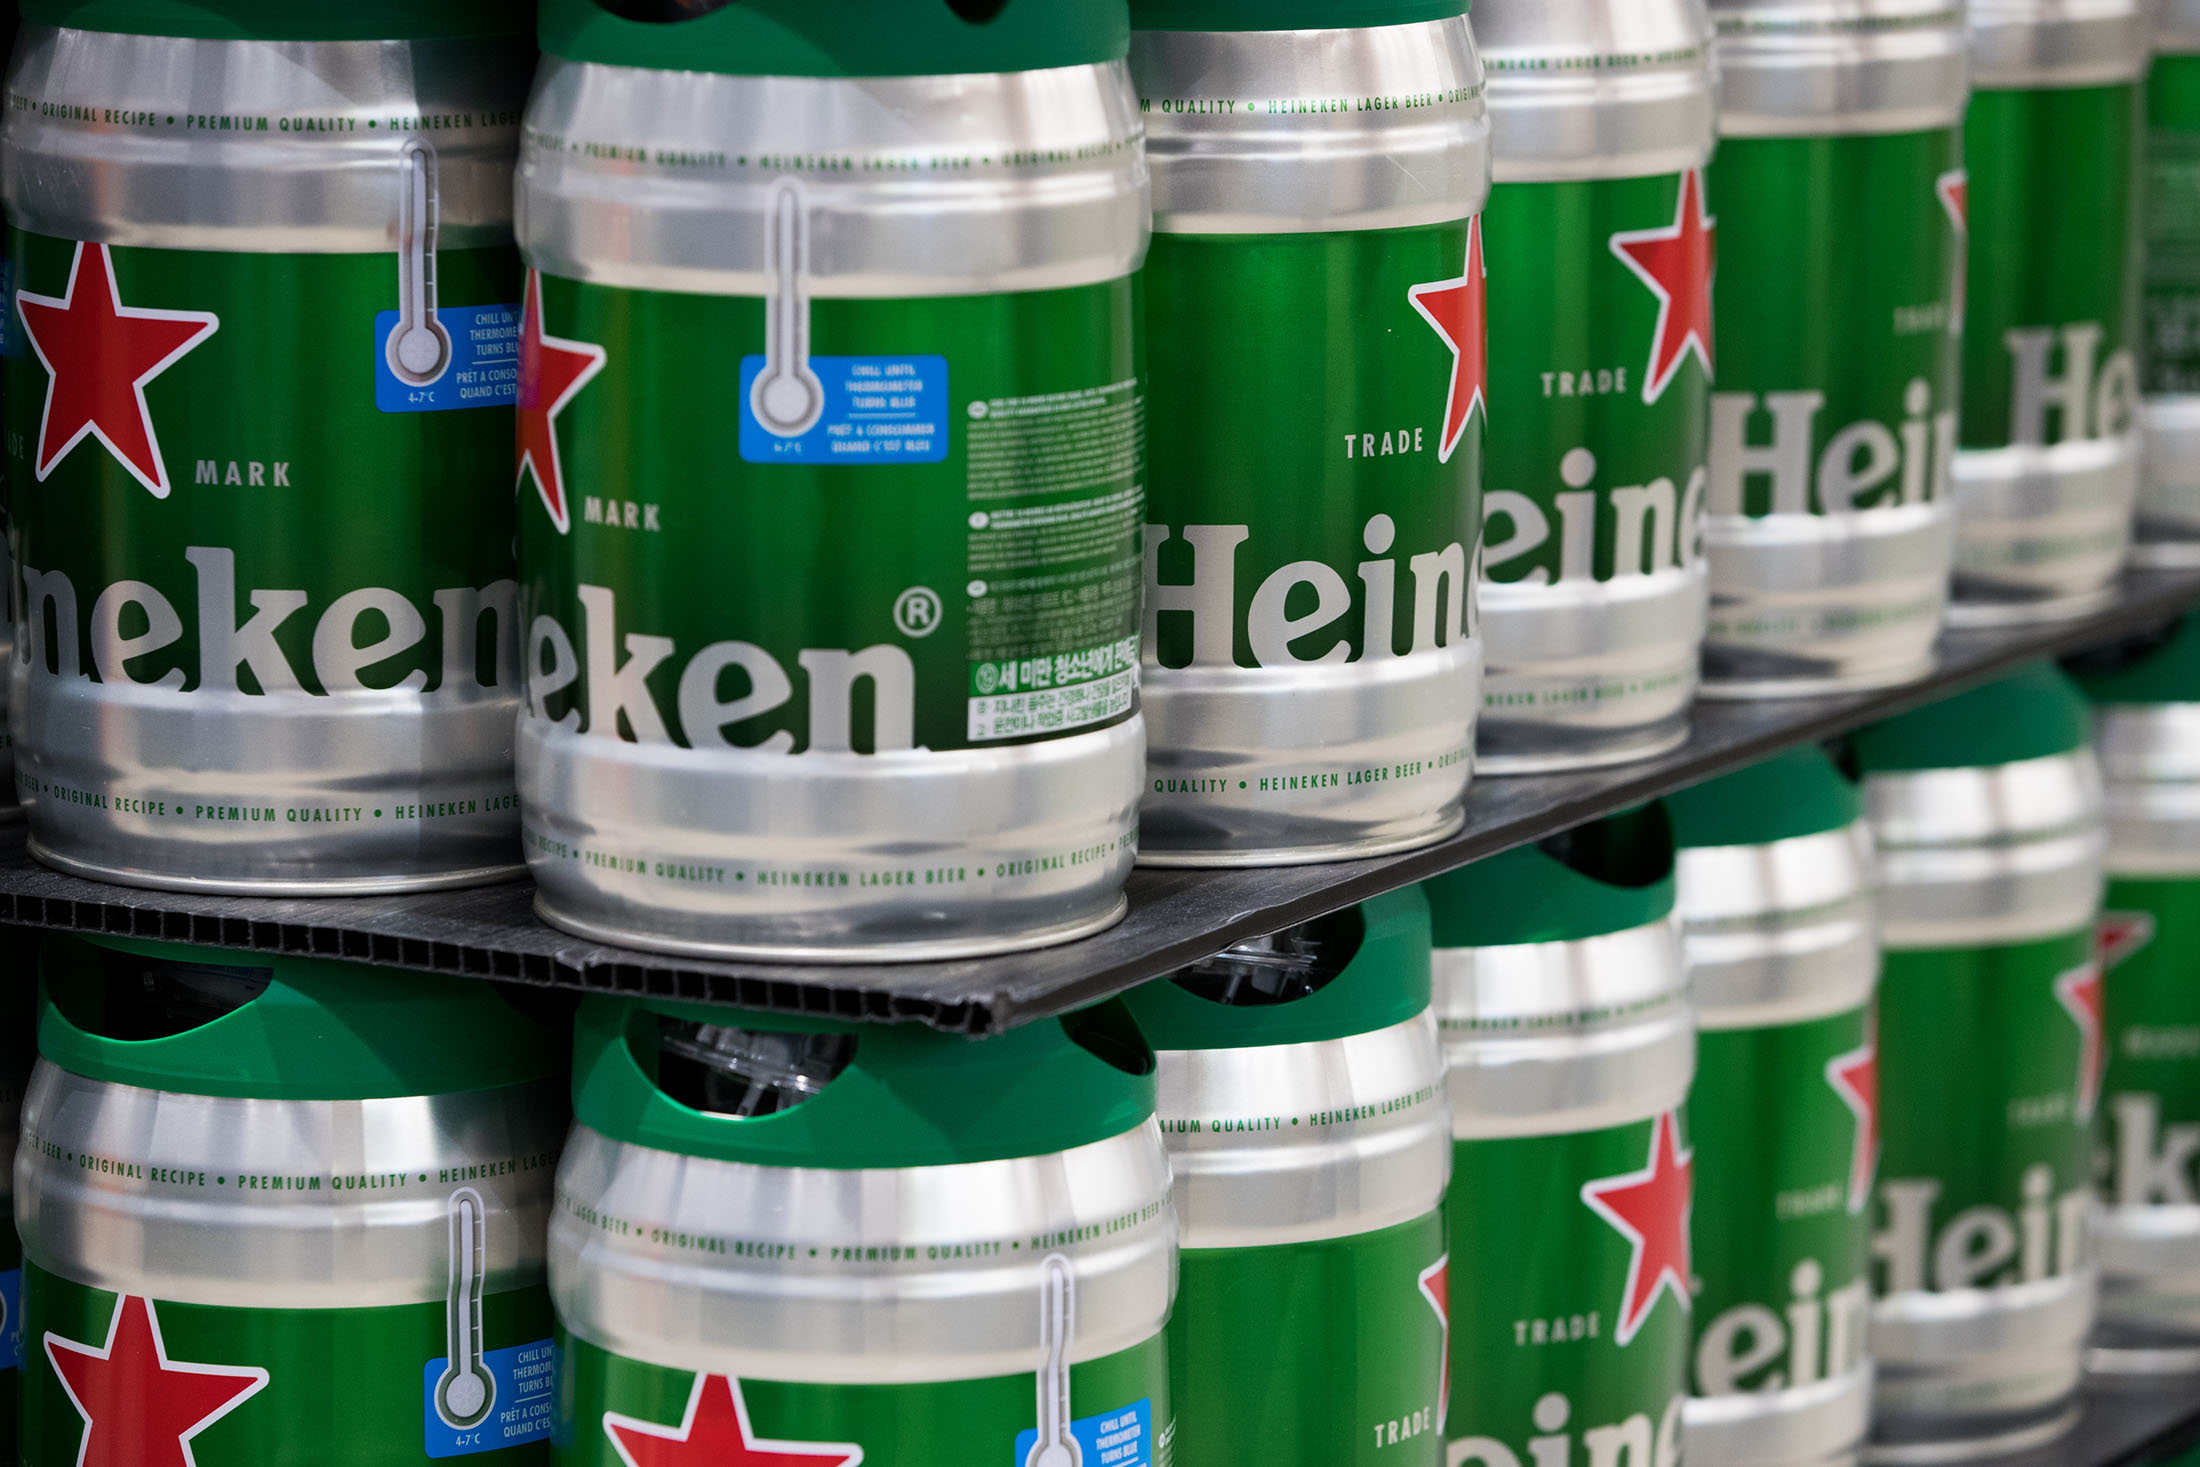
x,y
1660,741
1971,1448
2143,1361
1964,614
1771,688
1349,850
2165,554
823,951
245,886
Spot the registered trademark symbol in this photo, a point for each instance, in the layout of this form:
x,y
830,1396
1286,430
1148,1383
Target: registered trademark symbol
x,y
917,611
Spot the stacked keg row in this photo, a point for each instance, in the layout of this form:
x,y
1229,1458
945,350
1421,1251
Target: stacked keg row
x,y
1762,1123
957,460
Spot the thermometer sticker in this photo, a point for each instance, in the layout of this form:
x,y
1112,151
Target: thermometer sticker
x,y
467,1390
1056,1445
419,348
786,397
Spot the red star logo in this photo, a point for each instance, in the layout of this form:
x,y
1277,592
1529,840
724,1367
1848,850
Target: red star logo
x,y
1854,1077
1954,188
1676,263
140,1408
98,355
715,1432
1436,1288
551,371
1650,1209
2079,991
2120,934
1459,310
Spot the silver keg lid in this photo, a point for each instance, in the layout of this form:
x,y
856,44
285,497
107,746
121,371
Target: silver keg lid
x,y
1827,67
2025,44
1597,88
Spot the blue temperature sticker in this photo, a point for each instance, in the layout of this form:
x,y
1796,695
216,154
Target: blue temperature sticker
x,y
877,410
483,369
1121,1438
11,1318
524,1378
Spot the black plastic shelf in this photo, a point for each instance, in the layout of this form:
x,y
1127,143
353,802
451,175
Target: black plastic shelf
x,y
2125,1424
1176,917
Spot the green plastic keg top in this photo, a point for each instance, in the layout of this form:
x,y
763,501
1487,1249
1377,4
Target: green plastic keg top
x,y
1607,876
2034,713
1386,982
2167,671
836,38
1286,15
289,20
909,1096
1796,792
319,1030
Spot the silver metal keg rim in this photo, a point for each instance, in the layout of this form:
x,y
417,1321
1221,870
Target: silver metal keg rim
x,y
2177,28
1844,67
1561,110
2026,44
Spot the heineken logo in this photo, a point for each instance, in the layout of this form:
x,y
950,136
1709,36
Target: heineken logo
x,y
1436,1289
98,355
1676,262
1633,1440
1754,1347
1302,598
1458,309
2154,1162
2059,389
2117,935
2079,992
1863,465
714,1431
1650,1210
1854,1077
552,371
1982,1245
606,686
140,1408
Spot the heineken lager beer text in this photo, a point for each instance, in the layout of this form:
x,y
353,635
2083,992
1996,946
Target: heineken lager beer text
x,y
1302,1100
1600,239
2168,527
263,350
1841,197
1986,810
283,1213
1566,1027
1775,903
893,1246
829,476
2045,480
2146,700
1314,313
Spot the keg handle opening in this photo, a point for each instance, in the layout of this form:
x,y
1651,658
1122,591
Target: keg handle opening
x,y
419,348
1056,1445
466,1390
786,397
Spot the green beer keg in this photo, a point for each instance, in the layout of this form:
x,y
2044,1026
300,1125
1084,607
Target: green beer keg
x,y
278,1212
1302,1100
1562,998
1776,919
1986,812
861,1243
